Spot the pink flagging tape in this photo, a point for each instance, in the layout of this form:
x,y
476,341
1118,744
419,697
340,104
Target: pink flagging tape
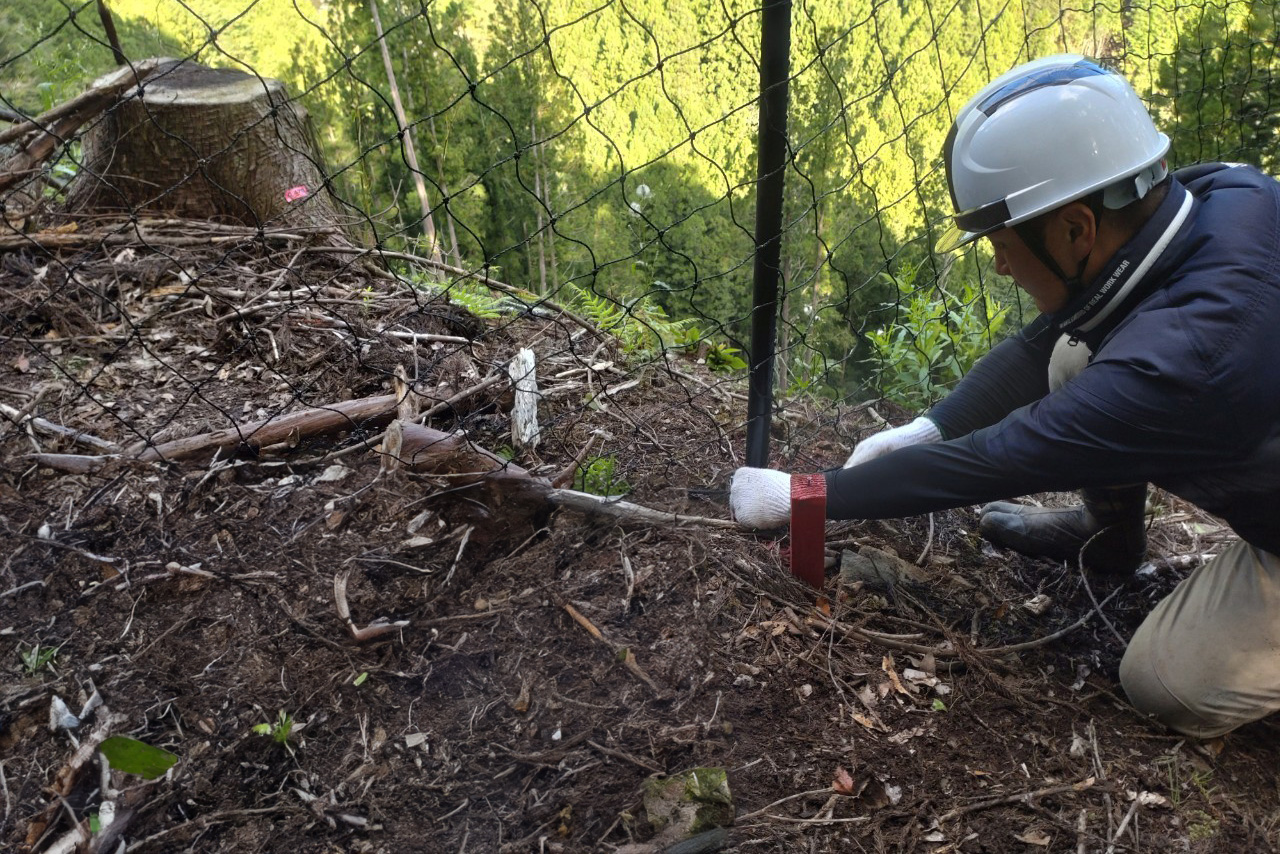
x,y
808,527
294,193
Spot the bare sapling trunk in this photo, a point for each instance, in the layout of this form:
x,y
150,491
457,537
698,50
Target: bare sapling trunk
x,y
406,138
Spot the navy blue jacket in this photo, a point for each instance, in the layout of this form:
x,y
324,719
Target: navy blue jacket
x,y
1183,389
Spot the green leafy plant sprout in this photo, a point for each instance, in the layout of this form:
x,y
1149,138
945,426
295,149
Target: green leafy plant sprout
x,y
137,757
807,376
600,477
688,338
62,170
36,658
1201,826
723,358
279,729
934,340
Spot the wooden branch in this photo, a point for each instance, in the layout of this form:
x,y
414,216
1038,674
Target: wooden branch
x,y
372,442
625,511
55,126
423,449
1019,798
111,84
620,652
109,25
62,240
567,474
74,463
50,428
376,629
314,421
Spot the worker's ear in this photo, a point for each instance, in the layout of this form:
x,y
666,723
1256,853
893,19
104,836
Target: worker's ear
x,y
1077,228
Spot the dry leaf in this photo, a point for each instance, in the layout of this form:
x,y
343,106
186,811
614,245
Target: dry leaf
x,y
906,735
864,720
1034,836
843,783
1148,799
887,667
1038,604
521,703
823,606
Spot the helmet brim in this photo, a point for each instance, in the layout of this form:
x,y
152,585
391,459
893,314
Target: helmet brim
x,y
953,238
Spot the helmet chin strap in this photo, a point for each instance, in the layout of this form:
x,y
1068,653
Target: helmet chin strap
x,y
1031,233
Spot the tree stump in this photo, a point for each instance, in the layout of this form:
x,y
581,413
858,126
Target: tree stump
x,y
206,143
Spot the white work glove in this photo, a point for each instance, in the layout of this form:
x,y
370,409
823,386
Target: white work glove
x,y
760,498
922,431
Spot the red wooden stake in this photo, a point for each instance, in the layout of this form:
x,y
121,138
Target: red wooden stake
x,y
808,527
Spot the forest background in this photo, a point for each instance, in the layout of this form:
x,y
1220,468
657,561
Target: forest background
x,y
603,152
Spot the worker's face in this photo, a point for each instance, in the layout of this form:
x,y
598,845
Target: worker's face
x,y
1028,272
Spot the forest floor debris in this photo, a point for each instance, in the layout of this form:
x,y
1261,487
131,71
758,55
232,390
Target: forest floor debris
x,y
520,677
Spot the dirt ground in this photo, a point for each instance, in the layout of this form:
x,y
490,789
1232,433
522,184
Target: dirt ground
x,y
197,599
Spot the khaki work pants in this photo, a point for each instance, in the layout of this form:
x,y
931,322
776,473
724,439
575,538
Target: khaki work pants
x,y
1207,658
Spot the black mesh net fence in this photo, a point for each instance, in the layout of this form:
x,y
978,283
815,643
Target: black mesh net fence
x,y
264,229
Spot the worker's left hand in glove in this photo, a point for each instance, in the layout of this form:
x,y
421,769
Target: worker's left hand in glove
x,y
922,431
760,498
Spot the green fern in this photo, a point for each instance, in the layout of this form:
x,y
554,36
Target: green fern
x,y
642,327
652,330
478,300
600,310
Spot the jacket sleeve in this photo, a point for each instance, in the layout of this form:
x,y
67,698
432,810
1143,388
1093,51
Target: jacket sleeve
x,y
1127,420
1013,374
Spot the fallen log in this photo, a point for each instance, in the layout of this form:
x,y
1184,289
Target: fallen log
x,y
314,421
253,436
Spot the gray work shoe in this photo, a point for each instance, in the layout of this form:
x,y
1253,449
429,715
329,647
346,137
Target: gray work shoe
x,y
1110,526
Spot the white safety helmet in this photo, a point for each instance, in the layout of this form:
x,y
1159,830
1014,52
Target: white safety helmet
x,y
1049,132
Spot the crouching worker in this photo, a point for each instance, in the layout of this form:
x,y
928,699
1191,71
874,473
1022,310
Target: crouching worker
x,y
1154,360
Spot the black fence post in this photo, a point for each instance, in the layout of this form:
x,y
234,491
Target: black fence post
x,y
775,69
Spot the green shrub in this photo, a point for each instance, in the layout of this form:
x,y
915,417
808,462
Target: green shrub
x,y
934,340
